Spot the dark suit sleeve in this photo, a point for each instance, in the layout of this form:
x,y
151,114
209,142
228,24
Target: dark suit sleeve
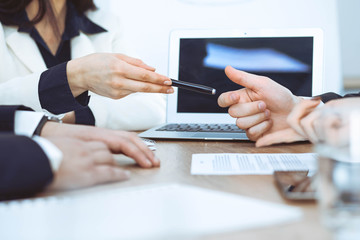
x,y
24,167
55,94
7,117
332,96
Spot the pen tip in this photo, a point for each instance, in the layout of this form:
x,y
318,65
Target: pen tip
x,y
213,92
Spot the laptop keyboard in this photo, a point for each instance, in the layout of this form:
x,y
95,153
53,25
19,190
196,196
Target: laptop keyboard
x,y
229,128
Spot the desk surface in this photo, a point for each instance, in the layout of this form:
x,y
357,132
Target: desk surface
x,y
175,168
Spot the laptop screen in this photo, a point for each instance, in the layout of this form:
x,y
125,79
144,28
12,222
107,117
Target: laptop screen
x,y
286,60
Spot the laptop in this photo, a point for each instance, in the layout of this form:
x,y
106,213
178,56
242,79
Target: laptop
x,y
292,57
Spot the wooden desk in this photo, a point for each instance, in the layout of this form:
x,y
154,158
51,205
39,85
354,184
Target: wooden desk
x,y
175,168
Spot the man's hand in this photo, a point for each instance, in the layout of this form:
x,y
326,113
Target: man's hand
x,y
304,123
84,164
123,142
262,106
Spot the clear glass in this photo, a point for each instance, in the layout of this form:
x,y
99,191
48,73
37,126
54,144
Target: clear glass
x,y
339,191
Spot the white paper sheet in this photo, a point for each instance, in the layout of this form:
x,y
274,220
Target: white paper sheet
x,y
251,164
168,211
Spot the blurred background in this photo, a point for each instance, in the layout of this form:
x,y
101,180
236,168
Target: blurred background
x,y
146,26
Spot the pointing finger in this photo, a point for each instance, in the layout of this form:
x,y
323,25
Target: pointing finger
x,y
248,80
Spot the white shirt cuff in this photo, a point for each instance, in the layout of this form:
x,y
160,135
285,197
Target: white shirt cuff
x,y
53,153
26,122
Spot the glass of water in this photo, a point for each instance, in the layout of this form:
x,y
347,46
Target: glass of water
x,y
339,192
339,178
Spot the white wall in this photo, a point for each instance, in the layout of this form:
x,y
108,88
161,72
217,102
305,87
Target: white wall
x,y
349,19
147,24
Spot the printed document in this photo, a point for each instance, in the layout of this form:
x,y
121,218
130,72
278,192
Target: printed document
x,y
252,164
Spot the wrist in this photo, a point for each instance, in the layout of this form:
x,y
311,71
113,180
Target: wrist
x,y
69,118
75,81
49,129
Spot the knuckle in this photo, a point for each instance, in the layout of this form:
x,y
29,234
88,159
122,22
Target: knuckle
x,y
251,132
114,66
240,123
84,149
262,117
114,93
251,135
146,88
138,61
85,153
267,125
232,111
116,84
132,150
145,76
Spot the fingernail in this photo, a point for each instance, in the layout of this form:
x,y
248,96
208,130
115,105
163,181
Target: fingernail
x,y
167,82
148,163
267,113
157,161
261,106
171,90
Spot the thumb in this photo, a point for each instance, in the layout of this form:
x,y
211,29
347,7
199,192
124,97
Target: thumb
x,y
248,80
283,136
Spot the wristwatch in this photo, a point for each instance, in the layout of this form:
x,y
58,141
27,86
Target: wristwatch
x,y
44,120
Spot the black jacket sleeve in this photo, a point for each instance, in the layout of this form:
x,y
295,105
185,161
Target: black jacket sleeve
x,y
332,96
55,94
7,117
24,167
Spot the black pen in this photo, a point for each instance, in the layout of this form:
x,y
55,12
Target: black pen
x,y
193,87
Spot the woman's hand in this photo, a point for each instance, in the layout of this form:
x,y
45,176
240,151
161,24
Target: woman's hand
x,y
114,76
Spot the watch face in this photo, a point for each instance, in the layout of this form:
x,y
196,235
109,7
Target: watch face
x,y
54,119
